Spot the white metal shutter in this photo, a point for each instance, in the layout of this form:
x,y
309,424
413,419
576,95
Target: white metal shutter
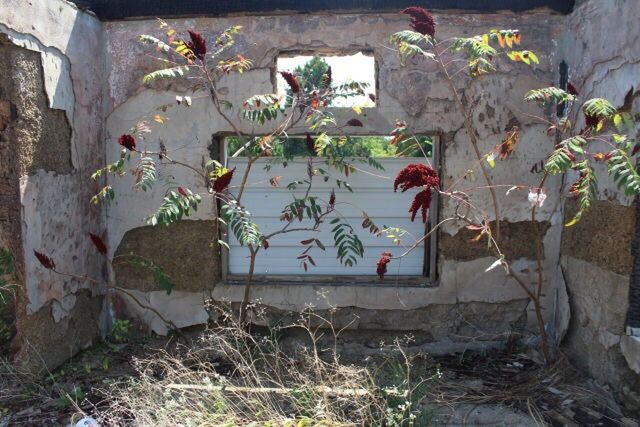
x,y
371,194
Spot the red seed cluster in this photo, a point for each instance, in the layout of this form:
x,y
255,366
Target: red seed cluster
x,y
98,243
311,146
418,175
385,258
291,80
197,44
592,121
222,182
45,260
421,201
332,199
127,141
421,20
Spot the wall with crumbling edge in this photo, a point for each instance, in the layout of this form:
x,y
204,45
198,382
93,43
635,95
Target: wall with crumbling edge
x,y
52,82
600,48
465,294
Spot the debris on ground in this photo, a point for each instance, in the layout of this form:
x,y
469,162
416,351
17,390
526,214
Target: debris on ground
x,y
493,387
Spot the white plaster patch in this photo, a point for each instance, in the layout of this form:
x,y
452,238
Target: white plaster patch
x,y
52,227
604,295
562,309
186,136
630,348
607,339
473,283
182,308
237,88
514,206
61,309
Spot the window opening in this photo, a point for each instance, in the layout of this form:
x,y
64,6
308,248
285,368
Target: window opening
x,y
355,72
275,181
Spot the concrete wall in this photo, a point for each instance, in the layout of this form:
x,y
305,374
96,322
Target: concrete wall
x,y
64,69
51,139
465,298
599,46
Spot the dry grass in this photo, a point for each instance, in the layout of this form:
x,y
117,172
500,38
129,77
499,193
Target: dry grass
x,y
237,377
7,299
296,376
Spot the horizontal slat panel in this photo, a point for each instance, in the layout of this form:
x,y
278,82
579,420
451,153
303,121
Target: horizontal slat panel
x,y
283,261
291,252
326,236
338,270
371,194
377,204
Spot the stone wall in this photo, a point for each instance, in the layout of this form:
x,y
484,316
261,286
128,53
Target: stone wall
x,y
63,70
51,113
599,47
417,94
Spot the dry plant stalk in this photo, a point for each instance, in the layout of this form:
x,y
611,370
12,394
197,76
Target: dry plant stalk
x,y
235,377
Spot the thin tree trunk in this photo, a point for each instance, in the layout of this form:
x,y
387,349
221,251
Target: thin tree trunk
x,y
247,286
474,140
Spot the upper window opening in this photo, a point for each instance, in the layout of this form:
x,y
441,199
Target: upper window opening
x,y
345,70
349,146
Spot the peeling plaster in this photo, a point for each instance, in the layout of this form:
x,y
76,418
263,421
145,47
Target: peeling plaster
x,y
56,214
56,217
56,71
429,110
630,349
600,49
182,308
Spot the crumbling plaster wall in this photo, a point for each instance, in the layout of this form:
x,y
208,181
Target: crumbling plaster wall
x,y
53,81
600,47
416,94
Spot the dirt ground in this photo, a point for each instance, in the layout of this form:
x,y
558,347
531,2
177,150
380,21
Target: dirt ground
x,y
497,387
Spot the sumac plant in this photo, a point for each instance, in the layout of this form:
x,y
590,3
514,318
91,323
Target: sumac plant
x,y
607,137
200,62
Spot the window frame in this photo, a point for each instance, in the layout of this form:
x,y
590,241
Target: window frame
x,y
429,278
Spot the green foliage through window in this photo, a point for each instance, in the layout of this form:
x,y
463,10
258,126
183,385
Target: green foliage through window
x,y
351,146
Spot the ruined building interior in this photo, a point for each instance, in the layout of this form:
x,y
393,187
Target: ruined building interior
x,y
71,83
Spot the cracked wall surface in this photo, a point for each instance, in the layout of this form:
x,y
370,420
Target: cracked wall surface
x,y
53,81
78,68
428,110
599,46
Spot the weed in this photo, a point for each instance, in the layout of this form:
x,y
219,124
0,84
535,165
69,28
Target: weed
x,y
67,399
7,295
235,377
120,331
